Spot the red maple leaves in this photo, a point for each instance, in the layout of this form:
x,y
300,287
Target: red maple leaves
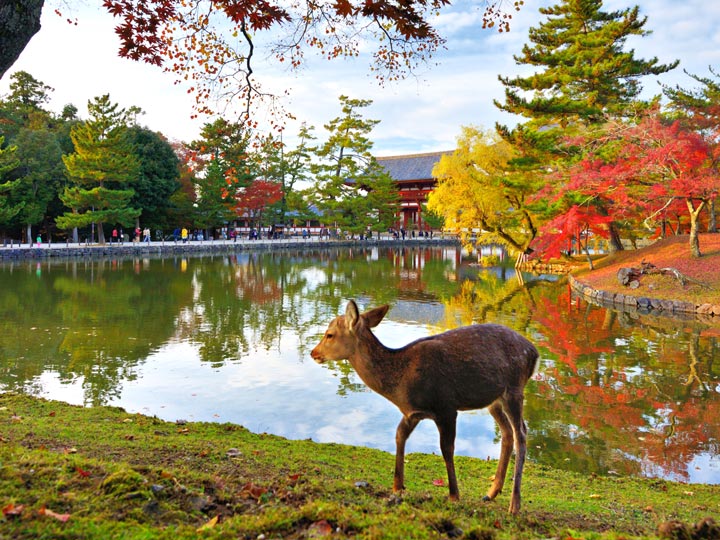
x,y
641,176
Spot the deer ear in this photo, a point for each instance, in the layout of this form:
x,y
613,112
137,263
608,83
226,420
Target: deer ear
x,y
352,315
374,316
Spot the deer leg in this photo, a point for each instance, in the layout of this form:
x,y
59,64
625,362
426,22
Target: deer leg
x,y
404,429
506,447
447,427
515,413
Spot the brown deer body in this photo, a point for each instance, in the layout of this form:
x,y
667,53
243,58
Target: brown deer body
x,y
472,367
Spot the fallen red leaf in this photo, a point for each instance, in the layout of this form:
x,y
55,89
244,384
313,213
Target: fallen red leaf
x,y
13,510
294,478
438,482
81,472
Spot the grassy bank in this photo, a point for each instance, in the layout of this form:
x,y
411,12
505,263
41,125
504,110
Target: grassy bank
x,y
72,472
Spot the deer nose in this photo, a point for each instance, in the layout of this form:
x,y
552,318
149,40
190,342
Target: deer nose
x,y
316,355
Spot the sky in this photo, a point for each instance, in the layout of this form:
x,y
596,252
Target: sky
x,y
420,114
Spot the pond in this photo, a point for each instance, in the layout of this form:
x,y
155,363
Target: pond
x,y
228,339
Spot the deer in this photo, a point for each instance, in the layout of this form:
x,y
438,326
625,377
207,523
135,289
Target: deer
x,y
472,367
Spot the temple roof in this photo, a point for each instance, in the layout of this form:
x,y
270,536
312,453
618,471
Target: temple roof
x,y
411,166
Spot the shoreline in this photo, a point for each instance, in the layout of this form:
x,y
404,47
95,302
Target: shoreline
x,y
645,305
198,247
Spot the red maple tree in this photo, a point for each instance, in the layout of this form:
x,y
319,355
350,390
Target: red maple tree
x,y
253,200
642,173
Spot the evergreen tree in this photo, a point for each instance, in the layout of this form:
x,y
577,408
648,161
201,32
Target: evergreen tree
x,y
8,162
295,167
24,105
40,176
102,166
353,191
215,198
585,76
27,94
158,176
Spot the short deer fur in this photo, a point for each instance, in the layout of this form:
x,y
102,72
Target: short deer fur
x,y
477,366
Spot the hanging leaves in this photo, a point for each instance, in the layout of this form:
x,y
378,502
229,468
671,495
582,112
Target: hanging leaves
x,y
211,45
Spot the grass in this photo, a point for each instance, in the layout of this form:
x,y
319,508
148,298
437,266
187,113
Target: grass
x,y
673,252
101,473
73,472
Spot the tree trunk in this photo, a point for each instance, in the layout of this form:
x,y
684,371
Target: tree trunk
x,y
712,221
100,233
28,232
19,22
694,227
614,240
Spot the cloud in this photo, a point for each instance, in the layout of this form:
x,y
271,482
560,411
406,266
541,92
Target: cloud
x,y
422,113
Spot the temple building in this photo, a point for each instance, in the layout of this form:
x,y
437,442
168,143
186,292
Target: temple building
x,y
412,174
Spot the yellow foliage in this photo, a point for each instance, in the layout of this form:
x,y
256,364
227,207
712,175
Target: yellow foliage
x,y
476,192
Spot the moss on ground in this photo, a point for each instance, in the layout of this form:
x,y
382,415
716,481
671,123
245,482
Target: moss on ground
x,y
73,472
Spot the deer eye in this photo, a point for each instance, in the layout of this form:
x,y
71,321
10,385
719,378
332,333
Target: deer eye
x,y
328,336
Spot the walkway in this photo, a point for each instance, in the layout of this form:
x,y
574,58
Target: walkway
x,y
70,249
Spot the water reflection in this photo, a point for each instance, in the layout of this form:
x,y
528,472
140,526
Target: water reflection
x,y
227,338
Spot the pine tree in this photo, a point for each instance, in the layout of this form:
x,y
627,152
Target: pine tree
x,y
102,166
353,191
584,75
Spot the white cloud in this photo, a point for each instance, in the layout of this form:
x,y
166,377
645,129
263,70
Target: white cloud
x,y
418,114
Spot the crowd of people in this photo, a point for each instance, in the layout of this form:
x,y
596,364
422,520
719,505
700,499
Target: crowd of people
x,y
183,234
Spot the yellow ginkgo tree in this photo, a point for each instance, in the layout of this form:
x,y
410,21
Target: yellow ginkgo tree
x,y
479,197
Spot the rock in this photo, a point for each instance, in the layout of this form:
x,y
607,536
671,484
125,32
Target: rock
x,y
626,275
630,301
683,307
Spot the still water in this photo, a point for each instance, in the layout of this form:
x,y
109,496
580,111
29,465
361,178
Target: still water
x,y
227,339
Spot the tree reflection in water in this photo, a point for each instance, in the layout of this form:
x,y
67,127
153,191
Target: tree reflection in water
x,y
620,392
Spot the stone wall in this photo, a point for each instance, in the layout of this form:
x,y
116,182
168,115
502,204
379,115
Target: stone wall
x,y
135,249
642,303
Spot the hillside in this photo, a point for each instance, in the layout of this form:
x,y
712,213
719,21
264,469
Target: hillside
x,y
673,252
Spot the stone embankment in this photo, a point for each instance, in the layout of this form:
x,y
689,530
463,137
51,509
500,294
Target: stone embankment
x,y
644,304
144,249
